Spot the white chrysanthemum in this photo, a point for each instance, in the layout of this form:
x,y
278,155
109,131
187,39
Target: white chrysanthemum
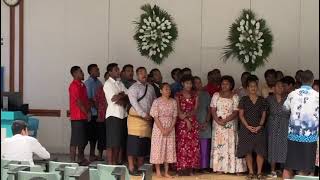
x,y
141,30
160,55
254,57
250,31
253,22
246,59
163,28
169,37
261,40
239,29
158,20
247,16
169,27
242,22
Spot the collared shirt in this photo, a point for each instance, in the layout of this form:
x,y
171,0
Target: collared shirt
x,y
101,103
92,85
143,106
304,118
211,88
112,87
157,89
77,90
175,87
128,83
21,148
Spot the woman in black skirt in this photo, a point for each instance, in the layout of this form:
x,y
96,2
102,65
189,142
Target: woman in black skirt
x,y
252,137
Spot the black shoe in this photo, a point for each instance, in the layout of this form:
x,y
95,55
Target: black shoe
x,y
135,173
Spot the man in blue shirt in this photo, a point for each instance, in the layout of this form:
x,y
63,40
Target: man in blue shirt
x,y
176,86
303,104
92,84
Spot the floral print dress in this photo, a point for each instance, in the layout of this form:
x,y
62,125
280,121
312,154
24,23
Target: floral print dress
x,y
187,142
163,148
223,153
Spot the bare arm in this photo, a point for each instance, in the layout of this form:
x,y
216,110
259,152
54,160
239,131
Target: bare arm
x,y
158,123
231,117
82,107
242,118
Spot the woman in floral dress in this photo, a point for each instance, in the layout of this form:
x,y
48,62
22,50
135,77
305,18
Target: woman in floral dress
x,y
187,129
163,141
224,106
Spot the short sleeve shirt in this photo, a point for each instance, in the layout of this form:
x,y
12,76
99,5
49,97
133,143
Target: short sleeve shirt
x,y
77,90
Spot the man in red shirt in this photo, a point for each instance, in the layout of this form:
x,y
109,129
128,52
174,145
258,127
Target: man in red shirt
x,y
79,113
214,78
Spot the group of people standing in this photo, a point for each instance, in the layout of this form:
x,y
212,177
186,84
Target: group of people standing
x,y
214,127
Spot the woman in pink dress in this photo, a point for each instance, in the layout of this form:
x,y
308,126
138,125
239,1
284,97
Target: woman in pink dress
x,y
187,129
163,139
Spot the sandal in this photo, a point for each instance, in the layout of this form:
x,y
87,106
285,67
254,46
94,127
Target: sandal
x,y
250,176
261,177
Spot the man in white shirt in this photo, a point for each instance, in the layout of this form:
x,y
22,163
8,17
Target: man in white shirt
x,y
20,147
116,95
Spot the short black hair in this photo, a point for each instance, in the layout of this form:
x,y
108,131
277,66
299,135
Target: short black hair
x,y
186,78
111,66
288,80
105,74
252,78
90,67
127,66
18,126
174,72
216,71
315,82
270,71
185,69
74,69
164,84
140,68
307,77
153,71
229,79
245,73
196,77
210,73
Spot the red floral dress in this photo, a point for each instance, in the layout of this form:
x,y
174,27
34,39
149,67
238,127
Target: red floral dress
x,y
187,142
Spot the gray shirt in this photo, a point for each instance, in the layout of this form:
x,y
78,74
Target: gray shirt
x,y
135,92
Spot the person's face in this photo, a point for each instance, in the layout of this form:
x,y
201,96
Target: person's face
x,y
128,73
225,86
80,74
279,89
216,76
142,76
166,91
271,79
157,77
316,88
115,73
287,88
252,88
95,72
177,76
244,79
187,85
198,84
279,75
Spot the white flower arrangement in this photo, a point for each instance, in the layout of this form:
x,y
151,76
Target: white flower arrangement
x,y
155,33
249,40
